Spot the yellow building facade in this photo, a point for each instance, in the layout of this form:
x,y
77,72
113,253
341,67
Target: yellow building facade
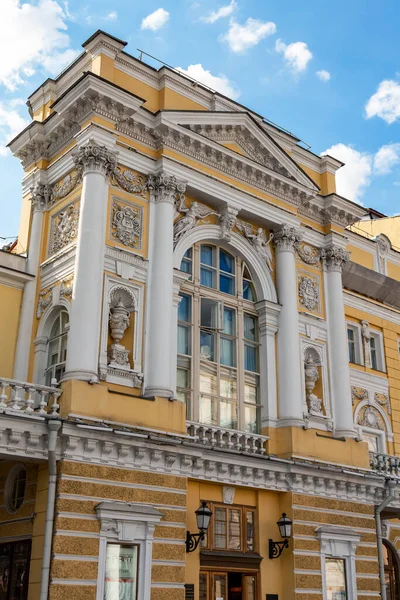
x,y
194,320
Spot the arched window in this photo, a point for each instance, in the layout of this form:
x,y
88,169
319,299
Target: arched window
x,y
57,348
392,581
218,340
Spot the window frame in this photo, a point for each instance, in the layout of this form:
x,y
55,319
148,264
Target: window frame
x,y
12,478
209,543
340,543
51,369
379,351
357,343
241,307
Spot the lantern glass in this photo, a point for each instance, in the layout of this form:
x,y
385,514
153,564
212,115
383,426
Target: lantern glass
x,y
203,516
285,526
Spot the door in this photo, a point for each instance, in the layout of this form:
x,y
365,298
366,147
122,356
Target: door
x,y
230,585
14,570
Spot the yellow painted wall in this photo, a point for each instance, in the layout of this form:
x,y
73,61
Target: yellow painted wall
x,y
361,257
390,226
393,270
10,301
122,407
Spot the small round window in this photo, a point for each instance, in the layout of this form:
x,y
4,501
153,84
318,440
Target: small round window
x,y
15,488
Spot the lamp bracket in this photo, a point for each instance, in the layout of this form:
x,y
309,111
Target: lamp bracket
x,y
193,540
276,548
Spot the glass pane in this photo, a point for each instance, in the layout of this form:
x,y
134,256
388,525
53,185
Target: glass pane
x,y
335,579
184,309
207,343
227,284
251,419
208,410
250,530
250,328
18,578
208,384
208,277
182,378
250,587
229,321
183,339
228,388
228,352
350,334
186,266
188,253
209,313
234,530
55,330
250,358
248,291
53,352
250,394
220,528
226,262
64,321
228,414
121,572
203,586
207,255
219,587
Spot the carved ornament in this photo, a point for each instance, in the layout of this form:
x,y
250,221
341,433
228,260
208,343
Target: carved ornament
x,y
130,181
287,238
227,221
309,254
358,393
335,258
309,292
259,241
191,216
64,227
93,157
370,417
126,223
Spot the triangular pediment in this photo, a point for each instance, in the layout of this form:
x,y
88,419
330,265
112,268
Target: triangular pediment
x,y
241,134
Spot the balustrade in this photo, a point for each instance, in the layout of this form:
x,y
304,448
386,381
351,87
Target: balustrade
x,y
24,398
385,463
226,439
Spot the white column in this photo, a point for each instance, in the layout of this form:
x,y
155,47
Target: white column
x,y
334,260
290,403
39,202
96,163
159,335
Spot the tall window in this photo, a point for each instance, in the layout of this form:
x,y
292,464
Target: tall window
x,y
336,586
57,348
218,340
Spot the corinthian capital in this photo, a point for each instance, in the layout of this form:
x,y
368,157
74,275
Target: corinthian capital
x,y
335,258
287,239
95,158
166,188
40,196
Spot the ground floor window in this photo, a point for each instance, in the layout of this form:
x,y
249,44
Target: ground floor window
x,y
336,587
228,585
14,570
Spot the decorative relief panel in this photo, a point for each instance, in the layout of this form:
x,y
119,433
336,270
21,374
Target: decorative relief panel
x,y
309,296
370,417
191,216
130,181
358,393
309,254
259,240
126,223
383,400
64,227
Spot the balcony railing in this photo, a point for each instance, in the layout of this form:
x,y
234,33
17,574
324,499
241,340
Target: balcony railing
x,y
226,439
385,464
22,398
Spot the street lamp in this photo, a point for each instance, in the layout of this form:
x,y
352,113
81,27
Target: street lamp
x,y
203,516
285,529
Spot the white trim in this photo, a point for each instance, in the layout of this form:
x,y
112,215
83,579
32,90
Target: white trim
x,y
339,542
9,487
370,307
126,523
42,336
356,327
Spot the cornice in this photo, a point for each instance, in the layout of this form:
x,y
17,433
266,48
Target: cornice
x,y
370,307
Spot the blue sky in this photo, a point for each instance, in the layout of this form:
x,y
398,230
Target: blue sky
x,y
328,72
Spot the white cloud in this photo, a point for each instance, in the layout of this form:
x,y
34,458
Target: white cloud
x,y
355,176
11,123
323,75
112,16
219,83
224,11
385,103
242,37
297,55
55,63
40,29
386,158
156,19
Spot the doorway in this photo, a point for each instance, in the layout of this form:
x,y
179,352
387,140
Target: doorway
x,y
229,585
14,570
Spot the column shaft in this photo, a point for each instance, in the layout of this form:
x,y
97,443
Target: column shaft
x,y
335,258
289,364
85,318
159,338
21,363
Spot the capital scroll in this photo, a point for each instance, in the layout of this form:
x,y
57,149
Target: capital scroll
x,y
95,158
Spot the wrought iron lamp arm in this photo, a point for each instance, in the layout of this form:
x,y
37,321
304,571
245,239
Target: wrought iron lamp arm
x,y
276,548
193,540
